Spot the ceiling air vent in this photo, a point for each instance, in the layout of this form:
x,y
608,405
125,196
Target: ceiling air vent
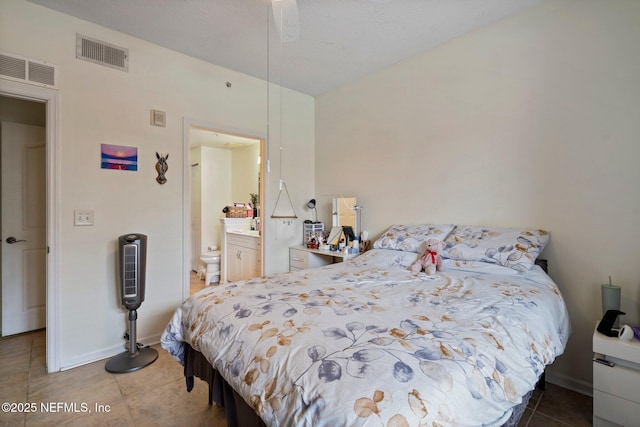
x,y
26,70
102,53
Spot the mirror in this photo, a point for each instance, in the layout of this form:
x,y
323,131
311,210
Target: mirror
x,y
344,213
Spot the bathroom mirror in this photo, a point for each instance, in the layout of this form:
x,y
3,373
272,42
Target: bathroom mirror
x,y
344,213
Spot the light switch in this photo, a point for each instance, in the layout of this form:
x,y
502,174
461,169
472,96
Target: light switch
x,y
83,217
158,118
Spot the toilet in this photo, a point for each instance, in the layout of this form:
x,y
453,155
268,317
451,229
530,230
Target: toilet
x,y
212,260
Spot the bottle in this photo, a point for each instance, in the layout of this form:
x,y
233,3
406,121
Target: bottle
x,y
356,244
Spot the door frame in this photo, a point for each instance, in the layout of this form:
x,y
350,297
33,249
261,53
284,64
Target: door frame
x,y
187,125
50,98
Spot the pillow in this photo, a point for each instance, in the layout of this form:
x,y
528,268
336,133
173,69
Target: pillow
x,y
515,248
412,238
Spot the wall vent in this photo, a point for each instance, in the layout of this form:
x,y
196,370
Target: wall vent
x,y
102,53
27,70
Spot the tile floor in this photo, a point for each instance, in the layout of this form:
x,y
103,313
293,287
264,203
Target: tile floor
x,y
152,396
556,407
195,283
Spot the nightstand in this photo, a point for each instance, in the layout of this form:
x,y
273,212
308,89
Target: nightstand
x,y
616,388
301,257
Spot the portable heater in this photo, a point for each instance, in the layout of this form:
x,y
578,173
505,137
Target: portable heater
x,y
132,258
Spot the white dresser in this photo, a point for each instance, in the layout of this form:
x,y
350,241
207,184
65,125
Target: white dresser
x,y
616,389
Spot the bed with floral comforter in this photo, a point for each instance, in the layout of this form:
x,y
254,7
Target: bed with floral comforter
x,y
366,342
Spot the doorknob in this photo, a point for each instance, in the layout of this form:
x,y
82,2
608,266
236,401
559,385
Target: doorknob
x,y
11,240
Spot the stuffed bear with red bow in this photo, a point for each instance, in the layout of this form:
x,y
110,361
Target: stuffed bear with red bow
x,y
431,261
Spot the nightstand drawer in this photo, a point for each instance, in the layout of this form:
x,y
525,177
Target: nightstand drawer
x,y
608,409
617,381
298,259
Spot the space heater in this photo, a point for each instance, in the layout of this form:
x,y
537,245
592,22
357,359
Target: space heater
x,y
132,259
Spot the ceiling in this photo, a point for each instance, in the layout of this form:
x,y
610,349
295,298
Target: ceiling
x,y
208,138
339,41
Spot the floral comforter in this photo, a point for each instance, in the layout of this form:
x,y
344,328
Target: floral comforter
x,y
368,343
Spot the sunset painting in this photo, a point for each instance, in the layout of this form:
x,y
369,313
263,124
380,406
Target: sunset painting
x,y
119,157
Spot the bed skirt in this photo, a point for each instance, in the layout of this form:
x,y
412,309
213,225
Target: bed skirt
x,y
237,411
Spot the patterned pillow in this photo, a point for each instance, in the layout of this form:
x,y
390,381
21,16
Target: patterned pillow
x,y
515,248
412,238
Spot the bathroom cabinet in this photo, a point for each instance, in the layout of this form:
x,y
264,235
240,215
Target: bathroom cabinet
x,y
243,257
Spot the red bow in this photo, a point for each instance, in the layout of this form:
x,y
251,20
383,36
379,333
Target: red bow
x,y
433,256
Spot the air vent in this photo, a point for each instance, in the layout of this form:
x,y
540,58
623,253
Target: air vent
x,y
27,70
102,53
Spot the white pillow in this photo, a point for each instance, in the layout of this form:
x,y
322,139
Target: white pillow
x,y
411,238
515,248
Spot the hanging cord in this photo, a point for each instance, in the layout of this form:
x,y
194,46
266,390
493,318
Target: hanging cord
x,y
268,78
282,183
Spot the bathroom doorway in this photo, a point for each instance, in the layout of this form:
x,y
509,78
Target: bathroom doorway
x,y
224,166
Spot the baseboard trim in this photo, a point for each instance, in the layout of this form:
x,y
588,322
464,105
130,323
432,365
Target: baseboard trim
x,y
570,383
104,354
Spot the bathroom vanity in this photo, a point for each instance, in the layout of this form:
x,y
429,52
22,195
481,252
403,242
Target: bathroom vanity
x,y
241,250
243,255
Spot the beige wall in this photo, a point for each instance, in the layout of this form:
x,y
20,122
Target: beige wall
x,y
533,121
22,111
102,105
245,172
216,182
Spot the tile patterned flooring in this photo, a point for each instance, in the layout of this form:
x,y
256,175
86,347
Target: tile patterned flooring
x,y
156,395
558,407
153,396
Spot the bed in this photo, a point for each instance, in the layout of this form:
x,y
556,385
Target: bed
x,y
368,342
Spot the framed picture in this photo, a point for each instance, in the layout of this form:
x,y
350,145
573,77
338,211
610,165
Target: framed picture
x,y
119,157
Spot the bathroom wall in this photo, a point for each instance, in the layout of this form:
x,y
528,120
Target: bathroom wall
x,y
245,171
221,178
215,190
195,206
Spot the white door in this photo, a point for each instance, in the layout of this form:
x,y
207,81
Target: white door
x,y
23,227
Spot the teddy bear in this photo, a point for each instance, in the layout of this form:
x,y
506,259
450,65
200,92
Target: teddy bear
x,y
431,261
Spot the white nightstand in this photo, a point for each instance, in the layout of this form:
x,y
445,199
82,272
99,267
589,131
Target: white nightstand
x,y
616,389
301,257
